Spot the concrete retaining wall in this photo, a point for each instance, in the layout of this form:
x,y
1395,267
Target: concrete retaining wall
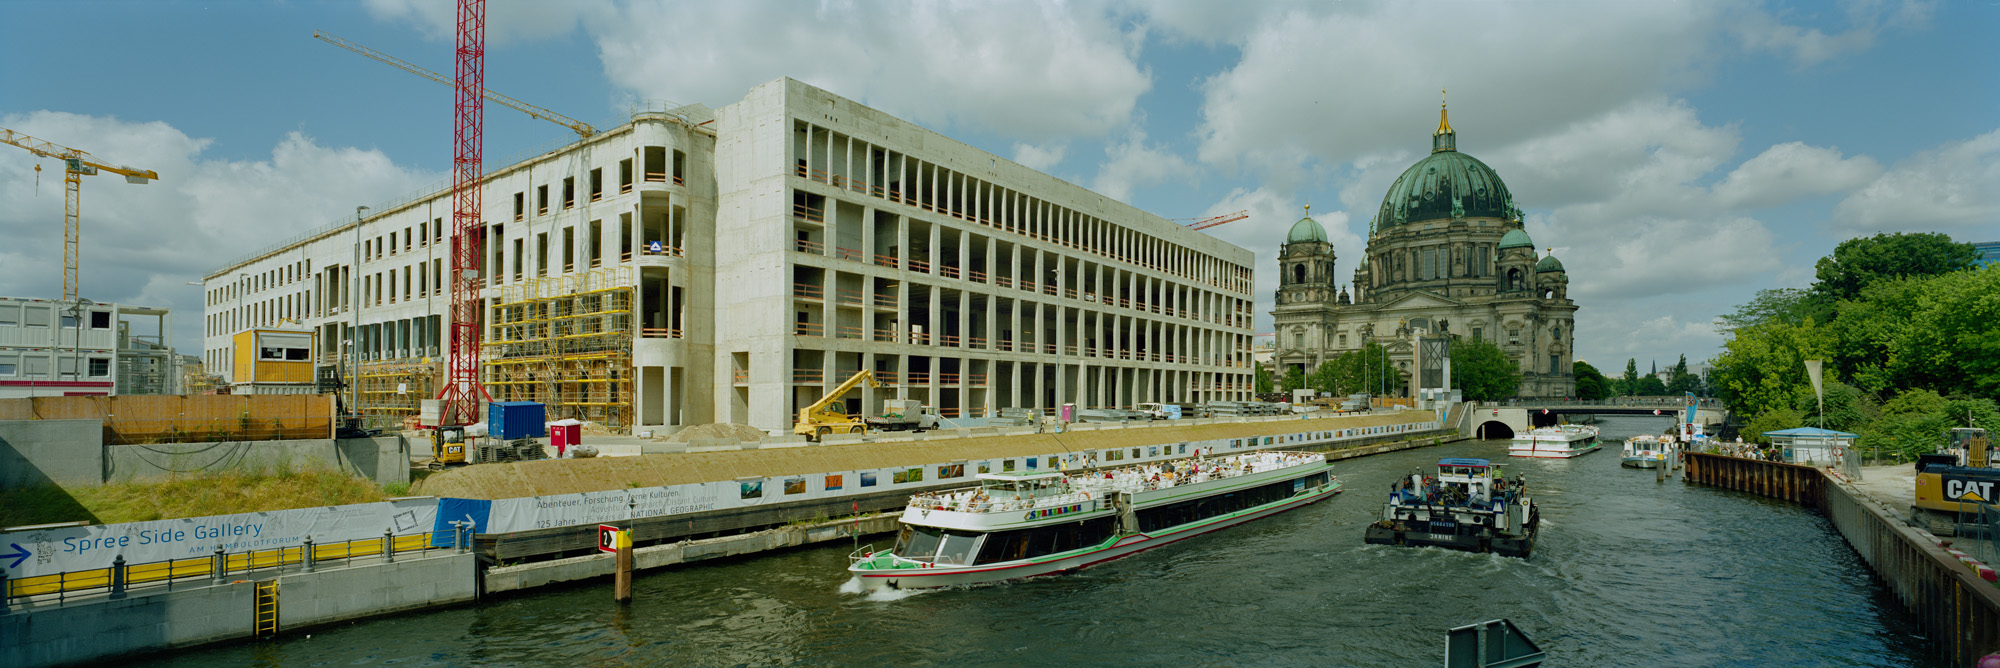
x,y
382,459
36,453
524,576
150,619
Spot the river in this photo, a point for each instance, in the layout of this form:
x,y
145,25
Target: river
x,y
1628,572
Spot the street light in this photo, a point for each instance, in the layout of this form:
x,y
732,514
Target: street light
x,y
354,351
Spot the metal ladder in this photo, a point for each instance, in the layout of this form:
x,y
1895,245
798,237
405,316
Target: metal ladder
x,y
267,608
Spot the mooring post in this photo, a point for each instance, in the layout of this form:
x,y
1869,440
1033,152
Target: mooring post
x,y
118,577
219,565
622,586
307,557
388,546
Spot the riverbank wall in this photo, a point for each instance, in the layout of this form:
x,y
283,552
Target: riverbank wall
x,y
1955,609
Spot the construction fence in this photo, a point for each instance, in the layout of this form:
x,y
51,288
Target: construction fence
x,y
137,419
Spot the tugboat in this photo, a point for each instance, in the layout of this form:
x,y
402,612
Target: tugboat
x,y
1467,506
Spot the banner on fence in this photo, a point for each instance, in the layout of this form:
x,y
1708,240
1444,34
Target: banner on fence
x,y
51,551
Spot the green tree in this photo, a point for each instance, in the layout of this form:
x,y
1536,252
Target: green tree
x,y
1294,379
1680,381
1630,383
1915,422
1847,407
1860,262
1326,378
1368,370
1762,367
1591,385
1650,386
1263,379
1772,420
1482,371
1936,332
1787,305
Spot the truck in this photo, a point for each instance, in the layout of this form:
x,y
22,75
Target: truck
x,y
1954,480
1158,411
904,415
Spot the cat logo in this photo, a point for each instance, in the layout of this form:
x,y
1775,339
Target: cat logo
x,y
1967,489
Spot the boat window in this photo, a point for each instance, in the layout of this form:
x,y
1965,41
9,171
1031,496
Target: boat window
x,y
957,547
918,542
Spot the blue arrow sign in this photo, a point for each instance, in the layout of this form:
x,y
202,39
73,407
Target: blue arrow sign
x,y
19,555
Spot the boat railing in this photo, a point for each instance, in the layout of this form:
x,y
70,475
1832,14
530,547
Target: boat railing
x,y
1090,488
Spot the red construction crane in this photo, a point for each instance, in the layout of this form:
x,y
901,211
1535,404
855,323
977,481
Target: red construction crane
x,y
1217,221
463,394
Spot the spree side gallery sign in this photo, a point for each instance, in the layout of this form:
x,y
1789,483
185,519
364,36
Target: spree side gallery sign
x,y
51,551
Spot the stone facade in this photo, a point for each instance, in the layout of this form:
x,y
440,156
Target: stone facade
x,y
1446,254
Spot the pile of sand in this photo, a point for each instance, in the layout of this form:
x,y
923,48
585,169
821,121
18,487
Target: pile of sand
x,y
740,432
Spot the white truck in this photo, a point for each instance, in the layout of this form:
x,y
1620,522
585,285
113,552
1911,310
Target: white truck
x,y
1159,411
904,415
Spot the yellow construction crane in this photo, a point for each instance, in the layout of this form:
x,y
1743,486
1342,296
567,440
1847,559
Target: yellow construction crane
x,y
76,165
822,417
581,128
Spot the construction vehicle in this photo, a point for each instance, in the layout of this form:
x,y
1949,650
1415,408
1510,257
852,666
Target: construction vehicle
x,y
1954,480
1159,411
76,165
447,447
829,414
904,415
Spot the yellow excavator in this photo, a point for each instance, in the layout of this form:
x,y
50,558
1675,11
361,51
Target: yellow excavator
x,y
1955,480
829,414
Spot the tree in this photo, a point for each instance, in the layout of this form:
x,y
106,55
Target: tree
x,y
1263,379
1591,384
1482,371
1936,332
1650,386
1294,379
1630,383
1858,263
1679,380
1326,378
1762,367
1787,305
1368,370
1772,420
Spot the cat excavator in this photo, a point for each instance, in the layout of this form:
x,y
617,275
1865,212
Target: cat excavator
x,y
829,414
1955,480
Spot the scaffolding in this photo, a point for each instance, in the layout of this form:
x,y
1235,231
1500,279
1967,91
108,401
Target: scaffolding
x,y
397,388
566,343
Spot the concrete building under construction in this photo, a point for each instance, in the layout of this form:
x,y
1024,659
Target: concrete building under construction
x,y
731,265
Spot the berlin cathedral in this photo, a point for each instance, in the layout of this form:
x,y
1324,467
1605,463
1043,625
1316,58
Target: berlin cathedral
x,y
1446,255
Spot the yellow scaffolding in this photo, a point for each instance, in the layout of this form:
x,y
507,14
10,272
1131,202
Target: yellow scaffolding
x,y
566,343
397,387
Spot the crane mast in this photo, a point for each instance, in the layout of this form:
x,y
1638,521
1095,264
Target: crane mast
x,y
463,392
76,165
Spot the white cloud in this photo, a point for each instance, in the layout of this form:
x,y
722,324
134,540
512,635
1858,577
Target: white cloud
x,y
1133,163
1035,71
141,244
1811,46
1040,157
1954,185
1792,170
1642,154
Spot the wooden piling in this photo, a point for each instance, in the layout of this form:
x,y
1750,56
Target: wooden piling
x,y
621,590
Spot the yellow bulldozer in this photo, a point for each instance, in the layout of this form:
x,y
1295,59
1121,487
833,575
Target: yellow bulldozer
x,y
1955,480
829,415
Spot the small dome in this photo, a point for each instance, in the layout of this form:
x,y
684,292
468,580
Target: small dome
x,y
1515,239
1548,265
1306,229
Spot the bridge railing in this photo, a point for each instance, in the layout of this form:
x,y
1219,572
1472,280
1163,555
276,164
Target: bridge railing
x,y
1624,402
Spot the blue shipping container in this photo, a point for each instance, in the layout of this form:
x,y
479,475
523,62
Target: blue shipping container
x,y
509,420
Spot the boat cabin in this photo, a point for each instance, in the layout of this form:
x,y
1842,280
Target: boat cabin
x,y
1466,478
1023,485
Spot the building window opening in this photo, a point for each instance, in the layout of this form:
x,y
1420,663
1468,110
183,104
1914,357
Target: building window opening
x,y
569,192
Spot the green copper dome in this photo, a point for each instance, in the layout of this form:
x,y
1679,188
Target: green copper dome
x,y
1306,229
1549,264
1515,239
1445,185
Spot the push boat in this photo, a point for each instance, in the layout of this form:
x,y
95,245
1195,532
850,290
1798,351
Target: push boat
x,y
1559,442
1645,451
1024,524
1467,506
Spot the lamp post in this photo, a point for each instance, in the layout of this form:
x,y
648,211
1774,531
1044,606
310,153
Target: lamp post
x,y
76,311
243,323
354,331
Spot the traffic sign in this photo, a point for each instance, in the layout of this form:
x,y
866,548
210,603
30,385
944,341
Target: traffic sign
x,y
610,538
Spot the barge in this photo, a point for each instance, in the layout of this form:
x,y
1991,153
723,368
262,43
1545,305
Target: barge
x,y
1469,505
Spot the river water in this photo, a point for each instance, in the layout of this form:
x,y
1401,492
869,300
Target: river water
x,y
1628,572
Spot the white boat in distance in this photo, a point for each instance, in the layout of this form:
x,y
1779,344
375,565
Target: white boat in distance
x,y
1645,451
1558,442
1023,524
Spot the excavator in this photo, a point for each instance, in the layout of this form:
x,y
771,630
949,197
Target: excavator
x,y
1955,480
829,415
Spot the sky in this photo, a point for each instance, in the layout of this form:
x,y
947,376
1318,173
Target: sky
x,y
1676,156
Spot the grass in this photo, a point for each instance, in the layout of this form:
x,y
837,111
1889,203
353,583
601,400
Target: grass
x,y
190,496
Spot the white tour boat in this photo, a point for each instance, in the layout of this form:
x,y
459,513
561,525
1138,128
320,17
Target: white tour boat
x,y
1645,451
1023,524
1560,441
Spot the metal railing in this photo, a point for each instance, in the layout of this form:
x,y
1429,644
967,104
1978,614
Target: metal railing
x,y
120,578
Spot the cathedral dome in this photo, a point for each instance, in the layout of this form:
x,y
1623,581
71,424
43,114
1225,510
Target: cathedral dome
x,y
1549,264
1306,229
1445,185
1515,239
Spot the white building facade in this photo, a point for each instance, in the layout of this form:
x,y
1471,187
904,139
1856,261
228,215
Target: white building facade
x,y
53,348
700,266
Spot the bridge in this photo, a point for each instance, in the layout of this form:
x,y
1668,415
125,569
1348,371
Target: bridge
x,y
1504,419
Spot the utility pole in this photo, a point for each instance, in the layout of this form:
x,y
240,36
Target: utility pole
x,y
354,331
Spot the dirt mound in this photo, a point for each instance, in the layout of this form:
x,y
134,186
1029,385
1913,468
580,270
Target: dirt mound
x,y
740,432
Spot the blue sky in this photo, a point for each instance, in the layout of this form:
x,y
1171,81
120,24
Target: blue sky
x,y
1677,156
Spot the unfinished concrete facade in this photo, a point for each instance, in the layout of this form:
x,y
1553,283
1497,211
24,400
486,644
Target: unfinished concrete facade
x,y
731,266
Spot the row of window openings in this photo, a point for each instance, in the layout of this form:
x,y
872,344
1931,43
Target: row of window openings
x,y
655,173
1431,261
424,234
261,281
1478,333
21,315
38,366
923,197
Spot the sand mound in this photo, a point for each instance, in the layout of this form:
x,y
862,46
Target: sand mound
x,y
740,432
